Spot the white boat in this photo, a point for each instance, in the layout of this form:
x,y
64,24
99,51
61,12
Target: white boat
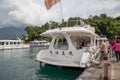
x,y
70,47
37,43
12,44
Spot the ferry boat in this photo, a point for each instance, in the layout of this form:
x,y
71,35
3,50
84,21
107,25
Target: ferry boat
x,y
12,44
70,47
37,43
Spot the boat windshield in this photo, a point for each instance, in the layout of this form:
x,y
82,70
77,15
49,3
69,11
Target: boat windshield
x,y
60,42
80,42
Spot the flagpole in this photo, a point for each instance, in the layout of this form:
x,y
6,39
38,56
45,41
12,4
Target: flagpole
x,y
50,3
61,13
61,10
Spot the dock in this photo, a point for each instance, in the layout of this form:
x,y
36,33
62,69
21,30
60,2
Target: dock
x,y
110,71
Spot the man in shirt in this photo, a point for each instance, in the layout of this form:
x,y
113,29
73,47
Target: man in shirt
x,y
104,52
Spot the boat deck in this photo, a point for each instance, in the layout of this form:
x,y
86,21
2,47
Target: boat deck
x,y
110,71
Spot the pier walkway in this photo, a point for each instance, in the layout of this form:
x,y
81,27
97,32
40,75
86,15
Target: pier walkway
x,y
110,71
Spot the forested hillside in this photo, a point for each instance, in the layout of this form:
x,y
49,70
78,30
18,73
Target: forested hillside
x,y
104,25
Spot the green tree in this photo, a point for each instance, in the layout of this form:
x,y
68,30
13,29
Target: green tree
x,y
104,25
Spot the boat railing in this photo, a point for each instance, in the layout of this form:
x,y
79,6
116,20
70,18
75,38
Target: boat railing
x,y
95,56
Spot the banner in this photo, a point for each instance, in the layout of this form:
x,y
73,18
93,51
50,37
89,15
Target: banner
x,y
50,3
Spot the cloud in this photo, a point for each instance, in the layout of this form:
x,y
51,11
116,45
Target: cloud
x,y
84,8
33,12
26,12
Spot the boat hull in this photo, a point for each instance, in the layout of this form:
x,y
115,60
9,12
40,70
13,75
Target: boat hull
x,y
82,62
4,47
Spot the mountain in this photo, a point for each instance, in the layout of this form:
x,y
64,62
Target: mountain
x,y
11,32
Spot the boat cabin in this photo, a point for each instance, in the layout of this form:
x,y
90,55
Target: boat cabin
x,y
11,44
70,46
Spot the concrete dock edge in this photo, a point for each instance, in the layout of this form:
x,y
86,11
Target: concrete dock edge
x,y
88,73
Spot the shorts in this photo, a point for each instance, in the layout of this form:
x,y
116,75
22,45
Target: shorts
x,y
103,56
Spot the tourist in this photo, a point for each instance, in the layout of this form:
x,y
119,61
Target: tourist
x,y
112,46
109,50
104,52
117,50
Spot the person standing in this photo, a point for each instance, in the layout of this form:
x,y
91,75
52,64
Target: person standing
x,y
104,52
117,50
112,45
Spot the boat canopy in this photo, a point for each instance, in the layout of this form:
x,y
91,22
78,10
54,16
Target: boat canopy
x,y
11,41
76,30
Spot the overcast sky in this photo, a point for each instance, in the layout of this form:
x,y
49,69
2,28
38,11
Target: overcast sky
x,y
33,12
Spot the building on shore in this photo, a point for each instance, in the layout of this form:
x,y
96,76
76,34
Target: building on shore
x,y
37,43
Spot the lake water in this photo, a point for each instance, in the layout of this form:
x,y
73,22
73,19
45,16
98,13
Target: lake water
x,y
19,64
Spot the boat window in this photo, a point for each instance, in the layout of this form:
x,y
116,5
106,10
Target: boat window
x,y
6,43
60,43
80,42
1,43
14,42
11,42
18,42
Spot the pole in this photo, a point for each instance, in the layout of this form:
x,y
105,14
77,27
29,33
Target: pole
x,y
61,13
105,71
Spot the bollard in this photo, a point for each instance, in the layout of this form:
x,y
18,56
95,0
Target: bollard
x,y
105,71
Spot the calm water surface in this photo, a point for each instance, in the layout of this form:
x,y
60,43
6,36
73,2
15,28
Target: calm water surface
x,y
19,64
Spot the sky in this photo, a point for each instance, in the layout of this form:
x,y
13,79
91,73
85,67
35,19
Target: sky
x,y
21,13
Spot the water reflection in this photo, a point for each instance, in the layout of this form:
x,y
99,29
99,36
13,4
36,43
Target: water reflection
x,y
58,73
19,64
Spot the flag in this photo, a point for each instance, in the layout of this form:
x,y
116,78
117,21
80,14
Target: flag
x,y
50,3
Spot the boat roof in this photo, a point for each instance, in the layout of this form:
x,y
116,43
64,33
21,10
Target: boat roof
x,y
102,38
70,30
11,40
39,41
